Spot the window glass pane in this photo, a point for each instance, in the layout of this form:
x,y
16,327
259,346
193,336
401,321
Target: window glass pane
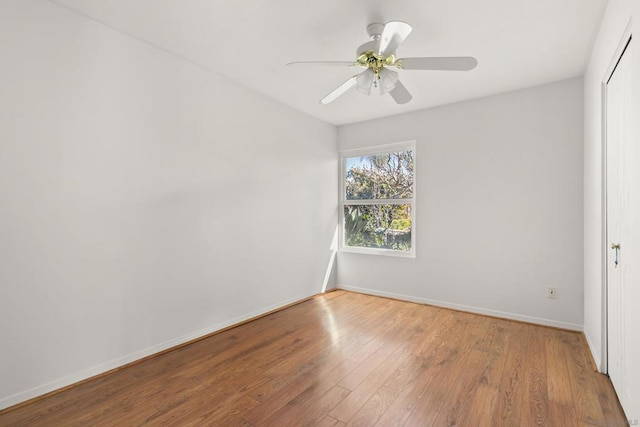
x,y
378,226
379,176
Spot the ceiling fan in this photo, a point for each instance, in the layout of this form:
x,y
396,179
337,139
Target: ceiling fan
x,y
378,54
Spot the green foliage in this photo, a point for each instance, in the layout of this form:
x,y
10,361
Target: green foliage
x,y
384,225
382,176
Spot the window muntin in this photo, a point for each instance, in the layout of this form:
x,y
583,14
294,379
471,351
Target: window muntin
x,y
377,203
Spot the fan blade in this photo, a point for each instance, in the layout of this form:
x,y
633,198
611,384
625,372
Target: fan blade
x,y
451,63
339,90
400,94
324,63
393,34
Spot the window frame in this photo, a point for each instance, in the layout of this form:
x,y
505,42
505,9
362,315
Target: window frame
x,y
369,151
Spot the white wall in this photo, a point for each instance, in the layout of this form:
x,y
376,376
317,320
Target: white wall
x,y
499,206
616,20
145,201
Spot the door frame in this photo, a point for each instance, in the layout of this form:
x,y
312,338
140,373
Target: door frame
x,y
619,51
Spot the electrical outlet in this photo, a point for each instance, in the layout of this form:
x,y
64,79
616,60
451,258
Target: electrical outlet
x,y
552,292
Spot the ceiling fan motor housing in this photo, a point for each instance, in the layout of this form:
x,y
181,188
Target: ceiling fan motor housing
x,y
374,31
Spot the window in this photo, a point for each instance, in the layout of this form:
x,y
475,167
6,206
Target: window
x,y
377,200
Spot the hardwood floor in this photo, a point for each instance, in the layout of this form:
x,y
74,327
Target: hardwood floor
x,y
350,359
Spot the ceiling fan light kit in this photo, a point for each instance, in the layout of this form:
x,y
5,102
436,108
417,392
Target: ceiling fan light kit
x,y
378,54
388,80
365,80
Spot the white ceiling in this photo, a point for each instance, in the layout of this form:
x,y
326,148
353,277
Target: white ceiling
x,y
518,43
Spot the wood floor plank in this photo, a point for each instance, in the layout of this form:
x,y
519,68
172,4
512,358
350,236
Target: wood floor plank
x,y
224,414
302,389
330,422
404,376
435,355
510,401
613,413
535,399
563,415
558,381
310,411
403,341
364,369
376,406
494,344
460,372
350,358
457,404
348,335
585,398
359,396
390,332
330,350
482,408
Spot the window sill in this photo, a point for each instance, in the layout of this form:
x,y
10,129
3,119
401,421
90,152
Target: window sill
x,y
378,251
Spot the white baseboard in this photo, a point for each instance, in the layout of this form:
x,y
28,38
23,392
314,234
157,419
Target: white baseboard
x,y
23,396
467,308
595,354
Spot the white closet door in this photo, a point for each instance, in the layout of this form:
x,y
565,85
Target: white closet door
x,y
618,141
